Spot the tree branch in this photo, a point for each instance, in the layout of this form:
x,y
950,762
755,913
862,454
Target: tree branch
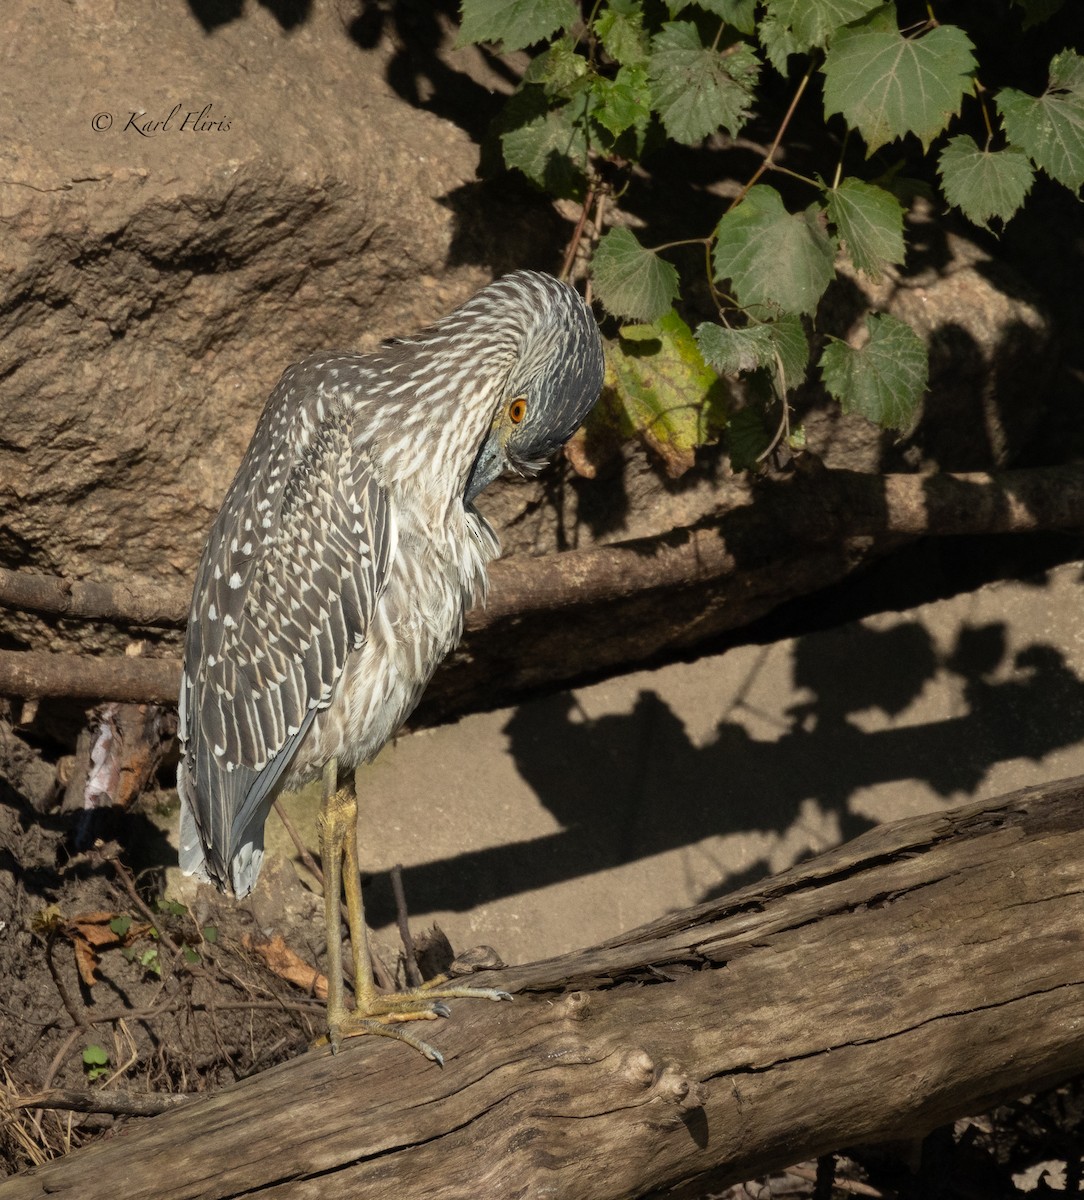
x,y
140,602
795,535
927,970
81,677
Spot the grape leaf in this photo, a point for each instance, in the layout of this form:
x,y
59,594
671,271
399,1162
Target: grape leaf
x,y
778,41
771,256
557,68
884,379
777,345
514,23
984,183
620,29
623,102
668,395
1050,127
791,348
738,13
632,281
869,221
698,89
734,350
812,22
887,85
548,145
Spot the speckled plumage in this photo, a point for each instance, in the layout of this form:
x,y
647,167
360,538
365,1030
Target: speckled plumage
x,y
338,572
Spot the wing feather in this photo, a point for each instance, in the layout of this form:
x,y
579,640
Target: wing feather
x,y
287,586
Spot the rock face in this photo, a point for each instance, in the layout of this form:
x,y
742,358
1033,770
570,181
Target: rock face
x,y
187,208
184,214
992,357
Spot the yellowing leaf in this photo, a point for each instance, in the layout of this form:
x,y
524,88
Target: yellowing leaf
x,y
659,388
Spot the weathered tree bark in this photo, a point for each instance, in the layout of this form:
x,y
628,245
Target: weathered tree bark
x,y
815,506
926,970
716,576
35,673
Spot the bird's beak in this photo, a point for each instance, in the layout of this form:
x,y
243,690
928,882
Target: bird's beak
x,y
490,462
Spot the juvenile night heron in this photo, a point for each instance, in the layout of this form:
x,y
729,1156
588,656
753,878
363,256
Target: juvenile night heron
x,y
337,575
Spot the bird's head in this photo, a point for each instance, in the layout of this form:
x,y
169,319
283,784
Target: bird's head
x,y
554,382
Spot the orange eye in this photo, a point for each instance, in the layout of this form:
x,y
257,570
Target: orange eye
x,y
517,410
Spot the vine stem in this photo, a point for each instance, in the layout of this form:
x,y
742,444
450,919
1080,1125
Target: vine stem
x,y
980,96
577,233
600,217
787,117
701,241
783,429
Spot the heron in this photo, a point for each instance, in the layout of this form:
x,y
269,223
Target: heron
x,y
337,575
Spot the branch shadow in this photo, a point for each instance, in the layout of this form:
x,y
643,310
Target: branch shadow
x,y
627,787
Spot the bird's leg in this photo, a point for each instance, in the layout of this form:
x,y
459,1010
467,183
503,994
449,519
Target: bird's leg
x,y
331,824
381,1013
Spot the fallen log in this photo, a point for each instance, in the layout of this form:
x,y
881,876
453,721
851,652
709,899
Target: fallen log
x,y
929,969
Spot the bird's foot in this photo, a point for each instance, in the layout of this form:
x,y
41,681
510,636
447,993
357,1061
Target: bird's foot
x,y
388,1013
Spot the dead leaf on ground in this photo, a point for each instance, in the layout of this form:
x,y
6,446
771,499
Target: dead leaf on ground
x,y
91,933
279,958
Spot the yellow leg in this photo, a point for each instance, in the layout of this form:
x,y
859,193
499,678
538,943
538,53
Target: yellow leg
x,y
381,1013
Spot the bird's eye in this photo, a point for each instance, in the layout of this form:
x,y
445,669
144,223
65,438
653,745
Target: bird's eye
x,y
517,410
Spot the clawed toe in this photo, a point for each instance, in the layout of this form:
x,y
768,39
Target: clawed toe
x,y
390,1014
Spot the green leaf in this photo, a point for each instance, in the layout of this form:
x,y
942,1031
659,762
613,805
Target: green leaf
x,y
620,29
210,933
513,23
623,102
632,281
984,184
778,41
884,379
120,925
812,23
869,221
697,89
558,69
791,350
190,955
173,908
667,394
95,1056
780,346
732,351
887,85
1050,127
739,14
784,260
548,145
150,961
